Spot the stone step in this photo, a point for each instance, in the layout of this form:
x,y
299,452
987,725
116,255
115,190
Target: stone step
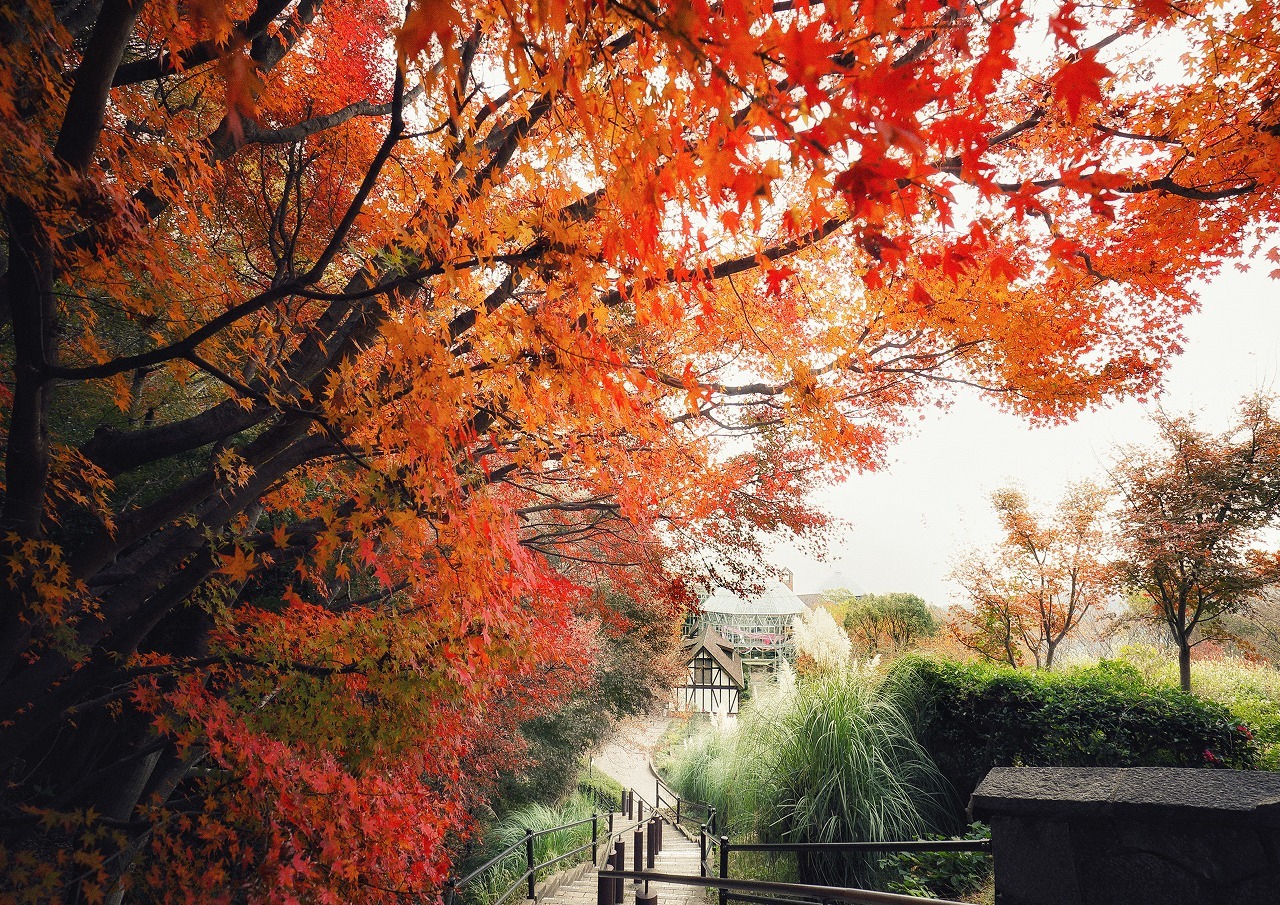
x,y
678,856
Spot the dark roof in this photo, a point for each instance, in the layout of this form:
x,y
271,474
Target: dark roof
x,y
812,600
720,649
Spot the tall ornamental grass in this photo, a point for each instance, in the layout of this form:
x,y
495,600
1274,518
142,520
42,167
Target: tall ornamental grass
x,y
831,759
511,829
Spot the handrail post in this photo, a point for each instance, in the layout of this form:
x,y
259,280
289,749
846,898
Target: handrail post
x,y
620,859
528,855
651,827
657,793
640,809
637,858
677,810
724,868
702,851
711,820
604,886
595,835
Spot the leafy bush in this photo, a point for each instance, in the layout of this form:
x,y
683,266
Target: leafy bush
x,y
941,875
603,791
1251,691
975,716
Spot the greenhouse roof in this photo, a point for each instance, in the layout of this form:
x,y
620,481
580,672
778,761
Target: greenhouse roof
x,y
776,600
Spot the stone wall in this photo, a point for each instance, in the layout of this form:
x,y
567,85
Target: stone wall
x,y
1132,836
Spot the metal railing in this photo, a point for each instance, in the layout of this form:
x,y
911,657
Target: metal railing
x,y
644,820
770,892
631,808
680,808
530,876
725,849
798,893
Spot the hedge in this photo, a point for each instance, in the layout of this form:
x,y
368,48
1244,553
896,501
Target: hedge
x,y
975,716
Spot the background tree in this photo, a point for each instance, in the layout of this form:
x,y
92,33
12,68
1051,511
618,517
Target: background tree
x,y
348,347
1195,509
1045,577
889,622
1253,631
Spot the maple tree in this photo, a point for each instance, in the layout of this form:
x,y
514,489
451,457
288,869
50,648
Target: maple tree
x,y
1045,577
348,347
1192,526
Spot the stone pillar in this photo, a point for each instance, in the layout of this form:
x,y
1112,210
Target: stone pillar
x,y
1132,836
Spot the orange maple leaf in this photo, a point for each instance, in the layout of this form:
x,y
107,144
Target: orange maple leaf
x,y
238,565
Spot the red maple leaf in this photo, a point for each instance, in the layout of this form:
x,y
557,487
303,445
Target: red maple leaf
x,y
776,277
1080,81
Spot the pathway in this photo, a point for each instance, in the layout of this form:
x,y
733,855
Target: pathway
x,y
626,758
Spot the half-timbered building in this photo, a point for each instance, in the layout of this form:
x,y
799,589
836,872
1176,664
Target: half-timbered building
x,y
714,681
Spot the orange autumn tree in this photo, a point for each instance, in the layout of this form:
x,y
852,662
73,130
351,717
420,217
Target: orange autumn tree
x,y
1033,591
347,347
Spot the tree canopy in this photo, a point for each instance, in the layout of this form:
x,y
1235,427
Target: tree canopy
x,y
352,351
1027,596
1195,509
889,622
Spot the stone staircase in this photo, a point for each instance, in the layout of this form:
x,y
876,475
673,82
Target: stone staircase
x,y
678,856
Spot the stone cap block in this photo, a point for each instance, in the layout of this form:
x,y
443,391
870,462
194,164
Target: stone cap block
x,y
1243,797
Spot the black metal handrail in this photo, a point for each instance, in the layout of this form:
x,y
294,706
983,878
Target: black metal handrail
x,y
661,785
820,893
530,876
926,845
510,849
707,841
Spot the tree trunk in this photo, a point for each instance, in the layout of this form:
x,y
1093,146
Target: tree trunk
x,y
1184,664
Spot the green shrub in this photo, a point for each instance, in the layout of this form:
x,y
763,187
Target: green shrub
x,y
1251,691
603,791
941,875
975,716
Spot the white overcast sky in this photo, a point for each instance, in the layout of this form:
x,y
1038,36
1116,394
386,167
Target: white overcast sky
x,y
903,526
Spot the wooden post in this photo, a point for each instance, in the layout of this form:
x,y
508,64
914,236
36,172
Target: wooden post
x,y
620,859
604,886
724,868
702,851
528,857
